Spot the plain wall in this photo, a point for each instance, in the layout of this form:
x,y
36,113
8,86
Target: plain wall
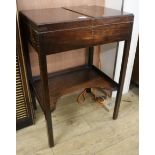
x,y
132,7
108,52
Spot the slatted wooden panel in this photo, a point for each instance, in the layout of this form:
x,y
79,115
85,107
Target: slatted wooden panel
x,y
21,109
63,60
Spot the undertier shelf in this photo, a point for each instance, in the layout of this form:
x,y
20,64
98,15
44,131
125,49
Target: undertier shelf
x,y
71,80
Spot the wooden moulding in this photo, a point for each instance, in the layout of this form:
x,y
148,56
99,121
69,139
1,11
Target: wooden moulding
x,y
70,80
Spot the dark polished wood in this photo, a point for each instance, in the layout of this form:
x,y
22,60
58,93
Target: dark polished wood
x,y
54,19
57,30
90,56
121,78
109,25
69,31
90,61
24,35
96,11
135,72
62,83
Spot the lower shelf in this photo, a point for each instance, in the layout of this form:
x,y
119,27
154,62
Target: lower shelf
x,y
72,80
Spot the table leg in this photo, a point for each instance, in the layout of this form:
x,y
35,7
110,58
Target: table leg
x,y
27,60
90,61
49,129
90,55
122,78
45,96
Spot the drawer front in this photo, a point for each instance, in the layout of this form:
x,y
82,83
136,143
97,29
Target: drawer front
x,y
59,41
112,32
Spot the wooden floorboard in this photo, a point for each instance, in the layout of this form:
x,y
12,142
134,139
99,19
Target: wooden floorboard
x,y
85,129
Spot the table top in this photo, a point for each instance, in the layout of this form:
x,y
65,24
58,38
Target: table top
x,y
63,29
80,15
52,15
97,11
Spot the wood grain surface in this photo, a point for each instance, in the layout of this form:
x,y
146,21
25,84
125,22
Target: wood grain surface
x,y
94,11
73,80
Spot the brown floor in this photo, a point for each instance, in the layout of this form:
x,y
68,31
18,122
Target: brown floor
x,y
85,129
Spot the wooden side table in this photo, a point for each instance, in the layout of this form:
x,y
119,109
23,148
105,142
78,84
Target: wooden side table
x,y
61,29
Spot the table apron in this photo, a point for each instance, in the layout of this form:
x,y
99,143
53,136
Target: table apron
x,y
65,40
111,33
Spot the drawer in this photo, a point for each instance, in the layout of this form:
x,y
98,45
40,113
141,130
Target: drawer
x,y
59,41
112,32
